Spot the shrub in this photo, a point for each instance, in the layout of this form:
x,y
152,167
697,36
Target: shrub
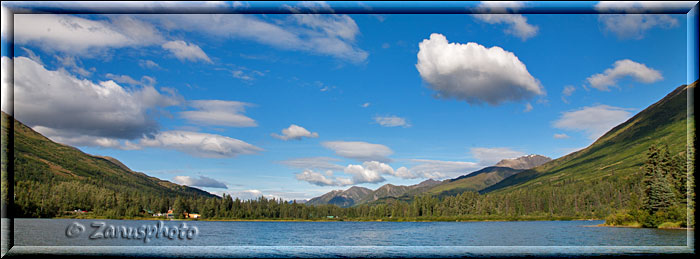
x,y
620,218
670,224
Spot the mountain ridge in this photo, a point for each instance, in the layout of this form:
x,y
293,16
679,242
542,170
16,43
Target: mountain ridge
x,y
45,164
618,151
474,181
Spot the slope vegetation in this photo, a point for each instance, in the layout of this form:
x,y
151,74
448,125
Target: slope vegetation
x,y
619,153
44,169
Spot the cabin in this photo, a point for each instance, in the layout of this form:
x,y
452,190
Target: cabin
x,y
192,215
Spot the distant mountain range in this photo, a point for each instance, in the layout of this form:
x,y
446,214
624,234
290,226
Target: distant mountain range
x,y
474,181
615,156
524,162
361,195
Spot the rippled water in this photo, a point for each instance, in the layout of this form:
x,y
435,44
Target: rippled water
x,y
273,238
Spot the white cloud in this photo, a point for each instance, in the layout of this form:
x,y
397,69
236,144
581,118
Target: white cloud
x,y
594,120
219,113
635,26
317,178
320,163
325,34
295,132
368,172
33,56
372,171
70,106
437,169
202,181
71,34
124,79
623,68
500,12
568,91
150,64
361,151
72,63
391,121
491,156
241,75
6,101
560,136
632,19
239,4
642,6
76,139
80,112
365,105
199,144
186,51
474,73
528,107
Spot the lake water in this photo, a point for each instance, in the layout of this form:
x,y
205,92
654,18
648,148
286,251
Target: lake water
x,y
272,239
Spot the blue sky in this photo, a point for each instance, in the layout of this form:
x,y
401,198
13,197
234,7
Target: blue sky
x,y
294,106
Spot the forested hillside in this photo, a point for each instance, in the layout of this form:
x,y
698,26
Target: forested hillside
x,y
51,178
634,174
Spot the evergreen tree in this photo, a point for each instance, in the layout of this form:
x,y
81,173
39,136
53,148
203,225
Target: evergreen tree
x,y
179,208
658,192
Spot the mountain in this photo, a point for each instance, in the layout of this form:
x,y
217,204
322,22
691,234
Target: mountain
x,y
524,162
615,157
385,191
41,164
341,198
488,176
475,181
359,195
594,182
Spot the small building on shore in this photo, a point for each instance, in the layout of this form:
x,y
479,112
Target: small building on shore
x,y
192,215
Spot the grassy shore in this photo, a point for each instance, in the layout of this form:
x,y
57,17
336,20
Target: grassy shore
x,y
665,225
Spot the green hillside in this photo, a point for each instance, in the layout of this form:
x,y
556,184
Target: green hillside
x,y
475,181
617,154
46,172
603,178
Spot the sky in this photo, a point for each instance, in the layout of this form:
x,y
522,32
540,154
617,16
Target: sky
x,y
295,105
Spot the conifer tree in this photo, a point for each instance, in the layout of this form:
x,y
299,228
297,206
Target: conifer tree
x,y
658,192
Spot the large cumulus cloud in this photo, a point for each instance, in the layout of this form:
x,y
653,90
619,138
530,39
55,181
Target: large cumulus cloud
x,y
474,73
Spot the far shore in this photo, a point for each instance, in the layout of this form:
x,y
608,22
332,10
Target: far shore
x,y
635,226
344,219
375,220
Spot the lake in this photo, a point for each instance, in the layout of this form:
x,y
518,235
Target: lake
x,y
273,239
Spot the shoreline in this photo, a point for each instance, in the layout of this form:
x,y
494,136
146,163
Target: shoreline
x,y
329,220
623,226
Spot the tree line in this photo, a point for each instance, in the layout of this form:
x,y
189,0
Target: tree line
x,y
656,195
665,199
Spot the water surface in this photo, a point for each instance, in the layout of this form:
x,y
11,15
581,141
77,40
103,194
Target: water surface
x,y
52,232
